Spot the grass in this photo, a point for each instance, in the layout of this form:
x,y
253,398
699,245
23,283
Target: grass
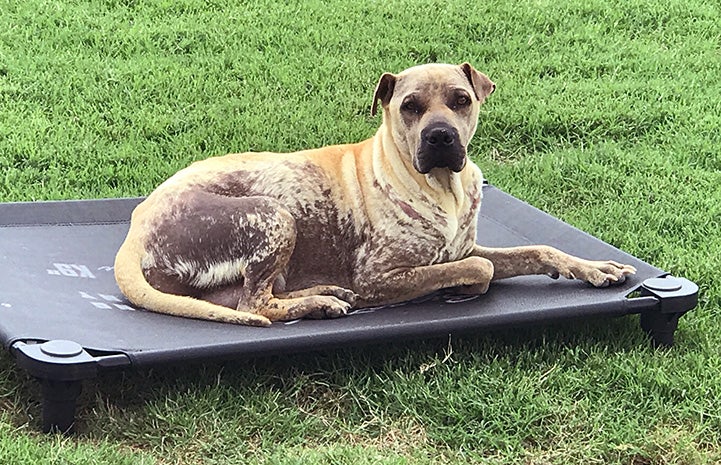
x,y
606,116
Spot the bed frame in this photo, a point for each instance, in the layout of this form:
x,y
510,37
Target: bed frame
x,y
64,320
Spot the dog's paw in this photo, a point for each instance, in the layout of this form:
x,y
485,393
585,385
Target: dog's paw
x,y
341,293
329,307
599,273
471,289
612,273
481,274
345,295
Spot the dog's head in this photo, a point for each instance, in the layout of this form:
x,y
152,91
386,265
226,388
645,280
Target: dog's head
x,y
432,112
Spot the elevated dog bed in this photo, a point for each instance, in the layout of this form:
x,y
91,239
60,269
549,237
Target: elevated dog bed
x,y
64,319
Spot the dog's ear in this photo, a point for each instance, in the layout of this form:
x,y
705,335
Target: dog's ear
x,y
482,86
384,91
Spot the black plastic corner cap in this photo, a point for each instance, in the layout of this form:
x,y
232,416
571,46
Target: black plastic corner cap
x,y
676,295
57,360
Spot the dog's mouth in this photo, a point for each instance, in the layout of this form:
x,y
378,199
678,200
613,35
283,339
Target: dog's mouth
x,y
424,163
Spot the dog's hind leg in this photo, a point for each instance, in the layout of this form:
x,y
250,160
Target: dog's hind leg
x,y
264,266
258,297
230,251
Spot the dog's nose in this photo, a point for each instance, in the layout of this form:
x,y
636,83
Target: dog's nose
x,y
439,136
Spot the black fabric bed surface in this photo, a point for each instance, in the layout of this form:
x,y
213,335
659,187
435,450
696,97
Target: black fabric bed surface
x,y
56,282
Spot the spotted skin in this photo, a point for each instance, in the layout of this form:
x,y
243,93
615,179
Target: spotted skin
x,y
259,237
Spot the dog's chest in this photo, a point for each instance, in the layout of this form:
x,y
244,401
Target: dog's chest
x,y
409,232
448,236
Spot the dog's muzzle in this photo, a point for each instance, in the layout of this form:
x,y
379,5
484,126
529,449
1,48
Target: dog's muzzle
x,y
440,147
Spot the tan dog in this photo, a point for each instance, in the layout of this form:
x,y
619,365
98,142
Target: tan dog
x,y
258,237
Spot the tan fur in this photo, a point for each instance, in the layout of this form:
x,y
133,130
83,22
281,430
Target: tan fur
x,y
257,237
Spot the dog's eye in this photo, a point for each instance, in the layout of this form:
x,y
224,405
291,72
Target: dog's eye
x,y
462,101
409,105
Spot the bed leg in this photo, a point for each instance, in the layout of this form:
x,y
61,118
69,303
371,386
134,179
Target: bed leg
x,y
660,327
675,296
61,366
59,402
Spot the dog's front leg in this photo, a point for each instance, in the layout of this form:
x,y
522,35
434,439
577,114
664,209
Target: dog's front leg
x,y
406,283
541,259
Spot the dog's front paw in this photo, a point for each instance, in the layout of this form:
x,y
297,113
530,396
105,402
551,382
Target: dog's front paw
x,y
598,273
471,289
610,272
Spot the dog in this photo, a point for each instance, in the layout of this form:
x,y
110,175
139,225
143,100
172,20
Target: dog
x,y
260,237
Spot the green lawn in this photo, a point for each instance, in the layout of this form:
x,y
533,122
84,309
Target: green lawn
x,y
607,115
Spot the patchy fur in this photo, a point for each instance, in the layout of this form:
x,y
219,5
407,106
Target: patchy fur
x,y
258,237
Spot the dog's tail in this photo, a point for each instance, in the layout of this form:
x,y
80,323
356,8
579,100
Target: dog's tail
x,y
131,280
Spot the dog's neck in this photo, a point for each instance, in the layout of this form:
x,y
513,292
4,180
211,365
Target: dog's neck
x,y
445,180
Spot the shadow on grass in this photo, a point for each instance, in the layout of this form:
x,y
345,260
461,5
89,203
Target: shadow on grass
x,y
126,405
134,390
